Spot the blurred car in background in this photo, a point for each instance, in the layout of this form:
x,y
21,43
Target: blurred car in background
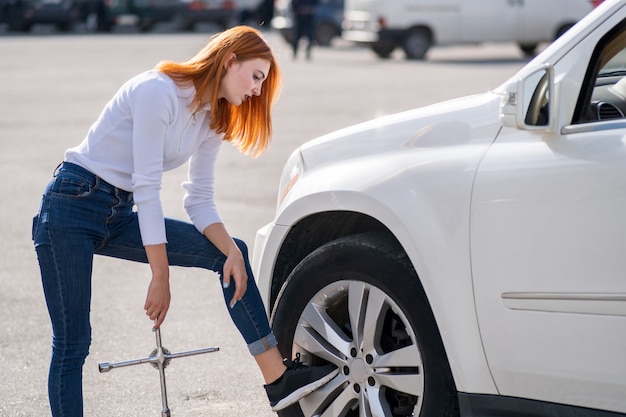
x,y
416,25
219,12
21,15
328,20
256,13
105,15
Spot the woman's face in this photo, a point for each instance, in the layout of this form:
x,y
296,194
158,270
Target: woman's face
x,y
243,79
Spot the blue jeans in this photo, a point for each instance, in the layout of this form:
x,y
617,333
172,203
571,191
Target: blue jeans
x,y
82,215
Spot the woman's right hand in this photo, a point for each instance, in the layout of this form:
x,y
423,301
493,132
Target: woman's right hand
x,y
158,300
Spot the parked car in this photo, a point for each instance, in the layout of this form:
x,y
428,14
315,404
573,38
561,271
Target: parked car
x,y
328,20
219,12
465,258
21,15
417,25
104,15
255,13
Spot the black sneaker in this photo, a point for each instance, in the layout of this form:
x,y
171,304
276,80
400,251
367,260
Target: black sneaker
x,y
298,381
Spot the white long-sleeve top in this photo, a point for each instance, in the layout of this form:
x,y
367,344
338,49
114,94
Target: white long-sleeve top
x,y
148,128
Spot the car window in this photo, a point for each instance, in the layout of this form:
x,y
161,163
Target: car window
x,y
605,98
615,66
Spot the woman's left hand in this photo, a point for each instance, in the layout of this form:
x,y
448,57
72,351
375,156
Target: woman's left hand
x,y
235,269
234,266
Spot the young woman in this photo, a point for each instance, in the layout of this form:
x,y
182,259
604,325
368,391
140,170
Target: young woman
x,y
157,121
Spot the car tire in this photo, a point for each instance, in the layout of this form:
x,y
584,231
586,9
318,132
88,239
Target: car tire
x,y
145,25
383,48
17,23
528,49
563,29
97,22
394,363
181,24
91,22
325,33
416,44
65,27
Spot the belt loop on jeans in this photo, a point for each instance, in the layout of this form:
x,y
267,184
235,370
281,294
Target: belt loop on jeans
x,y
96,184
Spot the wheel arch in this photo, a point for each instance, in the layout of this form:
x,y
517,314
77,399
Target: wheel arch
x,y
314,231
424,28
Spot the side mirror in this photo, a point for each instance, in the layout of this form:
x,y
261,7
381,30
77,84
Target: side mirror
x,y
530,103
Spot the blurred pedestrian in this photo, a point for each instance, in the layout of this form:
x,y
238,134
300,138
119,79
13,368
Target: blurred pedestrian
x,y
303,24
158,120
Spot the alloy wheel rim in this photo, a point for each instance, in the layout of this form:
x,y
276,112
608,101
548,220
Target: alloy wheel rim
x,y
358,327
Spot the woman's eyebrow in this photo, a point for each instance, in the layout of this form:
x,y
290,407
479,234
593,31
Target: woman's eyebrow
x,y
262,74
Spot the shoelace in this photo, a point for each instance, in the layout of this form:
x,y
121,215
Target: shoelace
x,y
294,364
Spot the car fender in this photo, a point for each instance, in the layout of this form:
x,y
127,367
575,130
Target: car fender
x,y
436,241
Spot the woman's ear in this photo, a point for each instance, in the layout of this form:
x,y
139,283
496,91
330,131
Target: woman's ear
x,y
230,60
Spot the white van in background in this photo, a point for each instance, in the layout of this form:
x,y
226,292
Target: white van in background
x,y
416,25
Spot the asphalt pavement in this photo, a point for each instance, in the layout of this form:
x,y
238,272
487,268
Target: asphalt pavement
x,y
53,86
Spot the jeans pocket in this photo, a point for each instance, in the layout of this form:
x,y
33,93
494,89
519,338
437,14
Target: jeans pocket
x,y
71,187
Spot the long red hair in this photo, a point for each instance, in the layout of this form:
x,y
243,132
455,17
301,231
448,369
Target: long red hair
x,y
248,126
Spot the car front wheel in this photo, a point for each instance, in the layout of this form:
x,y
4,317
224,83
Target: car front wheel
x,y
325,33
356,302
416,44
528,49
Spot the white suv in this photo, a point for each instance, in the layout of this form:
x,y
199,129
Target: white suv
x,y
465,258
416,25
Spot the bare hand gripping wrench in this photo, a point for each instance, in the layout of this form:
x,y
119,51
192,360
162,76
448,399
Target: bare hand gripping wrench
x,y
159,359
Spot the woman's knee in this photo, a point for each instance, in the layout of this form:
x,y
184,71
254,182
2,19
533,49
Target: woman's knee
x,y
76,350
242,247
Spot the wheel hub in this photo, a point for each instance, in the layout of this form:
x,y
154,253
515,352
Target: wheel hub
x,y
358,371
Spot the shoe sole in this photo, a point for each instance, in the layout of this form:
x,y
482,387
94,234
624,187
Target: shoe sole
x,y
302,392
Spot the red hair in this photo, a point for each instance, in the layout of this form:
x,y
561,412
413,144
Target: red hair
x,y
248,126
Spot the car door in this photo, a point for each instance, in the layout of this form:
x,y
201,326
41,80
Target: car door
x,y
548,242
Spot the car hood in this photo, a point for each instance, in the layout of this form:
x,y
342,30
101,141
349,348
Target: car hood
x,y
443,125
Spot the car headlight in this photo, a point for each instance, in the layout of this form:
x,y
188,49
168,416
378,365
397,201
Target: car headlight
x,y
292,172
